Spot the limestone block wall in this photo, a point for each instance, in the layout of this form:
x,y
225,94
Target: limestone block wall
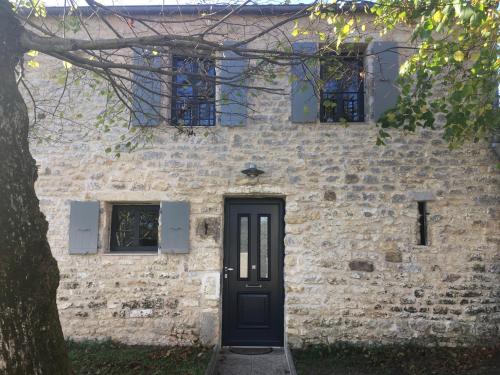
x,y
353,269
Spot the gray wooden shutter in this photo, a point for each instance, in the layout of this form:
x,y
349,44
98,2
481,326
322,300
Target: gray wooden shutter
x,y
83,227
146,88
304,96
385,73
174,227
495,143
233,105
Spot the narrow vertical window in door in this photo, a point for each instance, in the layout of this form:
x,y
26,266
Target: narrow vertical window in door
x,y
243,252
264,236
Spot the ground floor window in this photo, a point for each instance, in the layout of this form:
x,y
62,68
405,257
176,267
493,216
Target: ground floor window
x,y
134,227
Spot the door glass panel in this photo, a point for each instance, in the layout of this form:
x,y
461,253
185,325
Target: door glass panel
x,y
243,247
264,247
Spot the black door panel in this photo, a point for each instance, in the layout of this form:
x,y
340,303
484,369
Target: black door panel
x,y
253,272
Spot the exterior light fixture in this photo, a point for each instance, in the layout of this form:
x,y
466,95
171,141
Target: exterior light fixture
x,y
252,171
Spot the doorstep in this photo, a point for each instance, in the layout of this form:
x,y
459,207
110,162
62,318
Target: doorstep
x,y
275,362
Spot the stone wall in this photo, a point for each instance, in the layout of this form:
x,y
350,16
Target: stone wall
x,y
353,271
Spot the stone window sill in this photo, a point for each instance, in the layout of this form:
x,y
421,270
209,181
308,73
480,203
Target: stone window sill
x,y
422,247
135,253
365,122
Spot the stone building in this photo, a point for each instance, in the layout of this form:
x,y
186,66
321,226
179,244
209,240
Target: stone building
x,y
337,240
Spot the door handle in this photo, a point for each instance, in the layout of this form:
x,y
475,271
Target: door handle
x,y
228,269
253,286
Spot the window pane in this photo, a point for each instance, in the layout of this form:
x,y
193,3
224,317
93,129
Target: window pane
x,y
206,113
125,229
243,250
350,103
264,247
182,110
184,87
148,228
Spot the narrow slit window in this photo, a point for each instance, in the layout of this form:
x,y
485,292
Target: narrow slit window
x,y
422,223
243,247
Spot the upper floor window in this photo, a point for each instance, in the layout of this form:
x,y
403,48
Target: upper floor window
x,y
134,228
193,92
342,94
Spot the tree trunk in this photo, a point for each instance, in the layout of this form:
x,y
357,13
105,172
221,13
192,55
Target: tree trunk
x,y
31,339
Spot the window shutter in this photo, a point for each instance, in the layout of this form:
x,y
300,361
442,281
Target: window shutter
x,y
304,96
83,227
174,227
385,73
233,99
495,144
146,88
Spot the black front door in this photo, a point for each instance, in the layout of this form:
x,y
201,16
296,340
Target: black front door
x,y
253,273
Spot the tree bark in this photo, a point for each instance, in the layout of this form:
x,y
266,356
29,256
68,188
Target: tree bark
x,y
31,339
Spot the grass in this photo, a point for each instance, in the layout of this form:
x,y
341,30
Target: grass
x,y
348,359
93,358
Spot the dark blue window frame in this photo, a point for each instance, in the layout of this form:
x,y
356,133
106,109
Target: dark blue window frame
x,y
342,97
193,91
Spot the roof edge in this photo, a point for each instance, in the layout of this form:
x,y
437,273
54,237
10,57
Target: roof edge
x,y
191,10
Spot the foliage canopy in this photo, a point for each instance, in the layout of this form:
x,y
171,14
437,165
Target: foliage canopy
x,y
452,73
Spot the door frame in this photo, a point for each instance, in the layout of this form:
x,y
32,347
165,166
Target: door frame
x,y
280,201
